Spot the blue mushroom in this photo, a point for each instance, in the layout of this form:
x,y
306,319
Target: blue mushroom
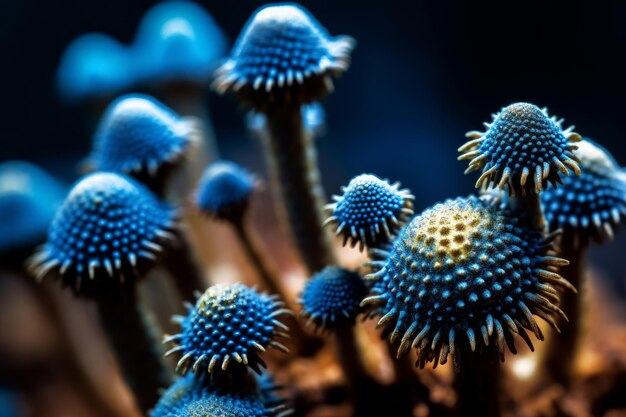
x,y
464,274
523,148
285,53
592,204
229,324
224,191
192,395
177,41
94,65
370,210
332,297
29,198
138,134
108,232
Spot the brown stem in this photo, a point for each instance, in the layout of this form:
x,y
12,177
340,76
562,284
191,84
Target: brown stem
x,y
81,380
530,211
350,359
252,245
402,366
477,383
563,347
180,261
189,99
135,339
369,397
292,158
306,345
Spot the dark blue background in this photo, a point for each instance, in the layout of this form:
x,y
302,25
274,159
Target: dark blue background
x,y
424,72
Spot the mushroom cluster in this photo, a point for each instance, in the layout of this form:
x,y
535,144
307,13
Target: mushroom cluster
x,y
462,281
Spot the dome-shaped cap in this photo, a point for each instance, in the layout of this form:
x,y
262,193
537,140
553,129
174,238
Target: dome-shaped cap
x,y
108,232
283,53
139,134
332,297
229,324
29,198
592,204
188,398
94,65
224,190
464,273
177,41
370,210
523,148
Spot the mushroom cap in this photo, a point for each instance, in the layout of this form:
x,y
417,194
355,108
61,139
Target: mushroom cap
x,y
332,298
29,198
283,54
463,273
138,134
592,204
188,398
177,41
176,395
94,65
523,148
230,324
107,233
224,190
370,210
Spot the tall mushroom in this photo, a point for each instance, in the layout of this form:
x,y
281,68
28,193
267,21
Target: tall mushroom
x,y
285,59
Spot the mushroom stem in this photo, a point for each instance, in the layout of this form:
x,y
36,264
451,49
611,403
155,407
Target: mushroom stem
x,y
403,369
84,384
365,391
292,158
306,345
477,383
407,387
158,183
531,211
189,100
180,261
351,361
562,350
135,339
253,246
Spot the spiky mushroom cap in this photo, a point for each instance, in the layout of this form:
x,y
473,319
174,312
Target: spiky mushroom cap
x,y
224,191
108,232
283,54
177,40
93,65
523,148
332,298
593,204
229,323
187,397
29,198
140,135
462,272
370,210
